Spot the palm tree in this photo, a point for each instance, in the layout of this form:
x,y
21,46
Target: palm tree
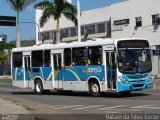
x,y
19,6
56,8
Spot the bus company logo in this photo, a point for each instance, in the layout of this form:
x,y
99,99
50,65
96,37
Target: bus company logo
x,y
92,70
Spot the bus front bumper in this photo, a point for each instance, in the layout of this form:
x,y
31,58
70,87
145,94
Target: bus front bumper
x,y
134,87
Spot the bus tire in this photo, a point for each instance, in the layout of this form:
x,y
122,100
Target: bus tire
x,y
38,88
94,89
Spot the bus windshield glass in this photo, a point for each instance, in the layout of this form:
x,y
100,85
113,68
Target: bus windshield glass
x,y
134,60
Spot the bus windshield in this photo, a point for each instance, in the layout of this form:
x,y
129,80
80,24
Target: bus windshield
x,y
134,60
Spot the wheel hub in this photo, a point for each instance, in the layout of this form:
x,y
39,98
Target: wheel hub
x,y
38,87
95,88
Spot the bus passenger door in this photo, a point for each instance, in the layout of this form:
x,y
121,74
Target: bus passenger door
x,y
111,70
57,65
27,71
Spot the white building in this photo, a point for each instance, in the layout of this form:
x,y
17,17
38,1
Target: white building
x,y
138,18
132,18
94,23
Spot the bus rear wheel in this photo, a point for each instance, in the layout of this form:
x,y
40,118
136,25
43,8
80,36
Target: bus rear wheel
x,y
38,88
94,89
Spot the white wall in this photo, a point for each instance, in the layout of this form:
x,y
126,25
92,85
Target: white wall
x,y
87,17
136,8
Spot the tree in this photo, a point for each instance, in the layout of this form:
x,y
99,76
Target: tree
x,y
5,53
56,8
19,6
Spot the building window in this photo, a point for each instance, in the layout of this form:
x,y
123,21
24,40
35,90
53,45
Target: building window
x,y
156,50
90,29
64,33
82,30
17,59
100,27
138,21
156,19
45,35
73,31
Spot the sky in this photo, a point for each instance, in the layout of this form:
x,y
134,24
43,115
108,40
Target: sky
x,y
27,30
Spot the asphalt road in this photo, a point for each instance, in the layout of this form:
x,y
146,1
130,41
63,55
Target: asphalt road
x,y
81,106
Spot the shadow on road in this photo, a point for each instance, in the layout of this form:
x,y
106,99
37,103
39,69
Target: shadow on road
x,y
82,94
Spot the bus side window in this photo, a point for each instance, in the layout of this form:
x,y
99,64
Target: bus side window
x,y
79,56
95,55
37,58
67,57
17,59
47,58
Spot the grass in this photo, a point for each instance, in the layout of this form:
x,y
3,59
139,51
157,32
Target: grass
x,y
5,82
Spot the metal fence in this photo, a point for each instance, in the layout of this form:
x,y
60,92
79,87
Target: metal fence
x,y
5,69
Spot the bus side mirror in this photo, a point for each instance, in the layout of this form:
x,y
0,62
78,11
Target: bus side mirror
x,y
118,58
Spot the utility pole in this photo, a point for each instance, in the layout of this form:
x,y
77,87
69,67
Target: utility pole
x,y
79,21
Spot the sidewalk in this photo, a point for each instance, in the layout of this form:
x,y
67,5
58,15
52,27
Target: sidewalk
x,y
10,110
5,77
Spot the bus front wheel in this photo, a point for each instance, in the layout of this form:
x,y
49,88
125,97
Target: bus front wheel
x,y
38,88
94,89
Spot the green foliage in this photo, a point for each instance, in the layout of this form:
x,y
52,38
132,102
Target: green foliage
x,y
19,5
56,8
5,50
25,43
3,57
4,45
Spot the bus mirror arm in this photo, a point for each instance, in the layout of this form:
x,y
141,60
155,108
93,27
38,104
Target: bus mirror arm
x,y
118,58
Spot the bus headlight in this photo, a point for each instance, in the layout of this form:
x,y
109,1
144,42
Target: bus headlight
x,y
123,79
149,79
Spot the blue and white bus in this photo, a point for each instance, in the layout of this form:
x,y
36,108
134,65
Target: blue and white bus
x,y
94,66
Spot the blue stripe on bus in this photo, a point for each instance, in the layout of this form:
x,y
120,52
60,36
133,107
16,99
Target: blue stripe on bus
x,y
70,73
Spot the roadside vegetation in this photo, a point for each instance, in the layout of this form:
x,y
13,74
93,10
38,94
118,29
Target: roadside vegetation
x,y
24,43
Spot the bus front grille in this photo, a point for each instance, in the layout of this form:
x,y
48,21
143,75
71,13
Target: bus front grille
x,y
134,81
137,77
138,85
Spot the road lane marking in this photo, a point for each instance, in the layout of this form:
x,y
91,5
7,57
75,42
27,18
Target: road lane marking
x,y
146,107
111,112
113,107
57,106
87,107
122,110
67,107
155,94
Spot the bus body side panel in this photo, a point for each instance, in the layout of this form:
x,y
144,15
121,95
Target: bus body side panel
x,y
18,77
76,77
43,73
